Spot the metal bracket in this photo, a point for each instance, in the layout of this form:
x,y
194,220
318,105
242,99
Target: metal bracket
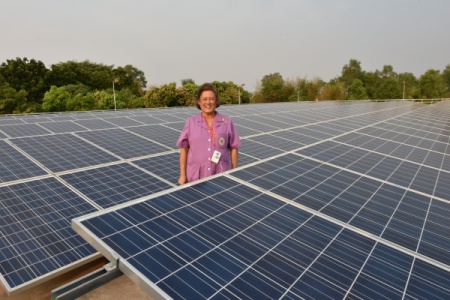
x,y
87,283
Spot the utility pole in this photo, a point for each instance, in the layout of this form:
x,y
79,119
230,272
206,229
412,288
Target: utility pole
x,y
403,90
116,80
239,93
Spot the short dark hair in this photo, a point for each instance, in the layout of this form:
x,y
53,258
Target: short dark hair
x,y
207,87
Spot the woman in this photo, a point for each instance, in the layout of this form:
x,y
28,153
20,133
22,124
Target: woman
x,y
209,141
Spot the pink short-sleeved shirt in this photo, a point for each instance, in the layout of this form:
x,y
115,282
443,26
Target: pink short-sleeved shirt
x,y
196,137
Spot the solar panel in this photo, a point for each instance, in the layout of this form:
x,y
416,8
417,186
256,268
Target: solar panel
x,y
164,166
162,134
23,130
95,124
36,237
122,143
15,166
63,152
115,184
62,127
112,157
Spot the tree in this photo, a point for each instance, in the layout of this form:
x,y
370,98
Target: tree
x,y
187,81
446,78
55,99
409,85
126,98
388,85
229,92
93,75
272,88
350,72
313,88
388,88
130,78
332,91
431,84
10,99
28,75
163,96
103,100
356,91
370,83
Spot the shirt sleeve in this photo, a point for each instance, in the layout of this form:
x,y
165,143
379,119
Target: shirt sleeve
x,y
183,140
235,142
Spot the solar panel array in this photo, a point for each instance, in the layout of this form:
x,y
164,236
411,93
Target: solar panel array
x,y
56,167
336,201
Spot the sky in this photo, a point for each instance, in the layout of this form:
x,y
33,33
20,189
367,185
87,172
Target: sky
x,y
230,40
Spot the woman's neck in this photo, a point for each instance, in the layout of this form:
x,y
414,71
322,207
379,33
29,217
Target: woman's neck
x,y
209,117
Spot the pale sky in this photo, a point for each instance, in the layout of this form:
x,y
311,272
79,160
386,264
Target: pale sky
x,y
230,40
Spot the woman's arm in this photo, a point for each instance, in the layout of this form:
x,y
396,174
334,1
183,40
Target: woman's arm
x,y
234,157
183,165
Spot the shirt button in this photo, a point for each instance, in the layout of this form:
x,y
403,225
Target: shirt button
x,y
209,169
209,158
209,140
209,149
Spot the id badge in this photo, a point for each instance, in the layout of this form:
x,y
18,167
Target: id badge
x,y
216,156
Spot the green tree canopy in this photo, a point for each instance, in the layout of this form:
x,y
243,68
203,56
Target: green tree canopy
x,y
350,72
272,87
431,84
56,99
446,77
28,75
93,75
356,91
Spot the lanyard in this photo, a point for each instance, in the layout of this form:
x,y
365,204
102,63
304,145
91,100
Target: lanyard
x,y
212,129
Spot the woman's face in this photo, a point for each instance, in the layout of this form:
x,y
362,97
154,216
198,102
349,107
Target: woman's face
x,y
207,102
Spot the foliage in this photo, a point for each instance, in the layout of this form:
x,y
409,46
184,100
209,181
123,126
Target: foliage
x,y
163,96
332,91
446,77
55,99
272,88
92,75
28,75
356,90
28,86
431,84
190,88
350,72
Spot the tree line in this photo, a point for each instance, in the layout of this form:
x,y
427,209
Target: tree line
x,y
28,86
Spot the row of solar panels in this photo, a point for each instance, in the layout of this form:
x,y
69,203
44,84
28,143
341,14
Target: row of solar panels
x,y
350,217
48,178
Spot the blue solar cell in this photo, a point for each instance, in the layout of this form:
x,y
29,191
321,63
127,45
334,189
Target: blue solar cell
x,y
428,282
385,273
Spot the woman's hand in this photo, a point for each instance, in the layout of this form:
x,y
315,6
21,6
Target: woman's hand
x,y
182,180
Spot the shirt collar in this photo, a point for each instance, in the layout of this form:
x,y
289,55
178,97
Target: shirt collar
x,y
219,119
